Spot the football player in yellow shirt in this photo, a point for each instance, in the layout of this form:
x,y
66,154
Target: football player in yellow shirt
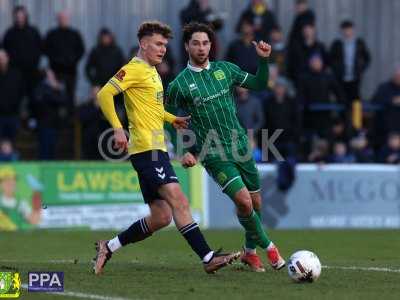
x,y
143,96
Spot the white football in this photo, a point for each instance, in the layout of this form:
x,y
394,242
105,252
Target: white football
x,y
304,266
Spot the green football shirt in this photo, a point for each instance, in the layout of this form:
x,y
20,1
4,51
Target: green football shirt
x,y
207,95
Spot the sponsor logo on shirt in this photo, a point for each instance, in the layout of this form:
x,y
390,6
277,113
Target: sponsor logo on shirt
x,y
192,86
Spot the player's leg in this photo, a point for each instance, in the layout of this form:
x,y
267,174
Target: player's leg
x,y
251,179
190,230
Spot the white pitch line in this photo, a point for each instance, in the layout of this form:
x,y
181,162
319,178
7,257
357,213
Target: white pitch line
x,y
370,269
81,295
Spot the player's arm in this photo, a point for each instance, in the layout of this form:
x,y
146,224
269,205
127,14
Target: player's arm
x,y
258,81
117,84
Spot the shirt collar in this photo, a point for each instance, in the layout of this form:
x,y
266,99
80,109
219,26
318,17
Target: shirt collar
x,y
197,69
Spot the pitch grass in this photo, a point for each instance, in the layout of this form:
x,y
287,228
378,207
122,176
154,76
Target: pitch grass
x,y
163,267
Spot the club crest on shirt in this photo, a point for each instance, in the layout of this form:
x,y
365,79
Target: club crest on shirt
x,y
219,75
120,75
160,96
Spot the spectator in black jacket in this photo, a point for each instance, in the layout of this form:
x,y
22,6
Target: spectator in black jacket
x,y
349,58
304,16
201,11
104,60
388,96
390,153
263,20
11,87
64,48
93,125
299,56
23,45
317,86
50,97
278,54
241,51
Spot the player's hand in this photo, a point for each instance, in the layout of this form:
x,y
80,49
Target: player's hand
x,y
263,49
121,142
181,122
188,160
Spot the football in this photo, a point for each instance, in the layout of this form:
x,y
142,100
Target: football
x,y
304,266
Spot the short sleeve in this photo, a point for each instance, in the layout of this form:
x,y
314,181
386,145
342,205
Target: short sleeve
x,y
126,77
237,74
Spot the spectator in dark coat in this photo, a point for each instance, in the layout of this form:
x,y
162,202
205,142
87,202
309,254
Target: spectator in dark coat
x,y
64,48
361,149
50,97
24,47
340,154
349,58
11,87
390,153
278,54
263,20
93,125
7,151
304,16
242,52
104,60
388,96
315,87
299,56
201,11
249,110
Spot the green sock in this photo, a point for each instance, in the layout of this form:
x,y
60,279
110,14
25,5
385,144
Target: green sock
x,y
255,230
250,242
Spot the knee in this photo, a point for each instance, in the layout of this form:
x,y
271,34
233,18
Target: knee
x,y
164,219
256,200
244,205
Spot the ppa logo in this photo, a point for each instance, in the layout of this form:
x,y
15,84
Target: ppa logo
x,y
46,282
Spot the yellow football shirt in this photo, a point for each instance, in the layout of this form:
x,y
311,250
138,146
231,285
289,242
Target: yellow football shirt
x,y
143,97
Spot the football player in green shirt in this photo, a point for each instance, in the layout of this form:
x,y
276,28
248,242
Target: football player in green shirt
x,y
204,89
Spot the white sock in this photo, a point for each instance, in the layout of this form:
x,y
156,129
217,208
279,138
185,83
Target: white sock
x,y
207,258
114,244
271,245
250,251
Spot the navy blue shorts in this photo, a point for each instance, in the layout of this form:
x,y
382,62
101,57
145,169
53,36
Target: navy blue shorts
x,y
152,172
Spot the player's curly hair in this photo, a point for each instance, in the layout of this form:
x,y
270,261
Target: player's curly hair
x,y
193,27
149,28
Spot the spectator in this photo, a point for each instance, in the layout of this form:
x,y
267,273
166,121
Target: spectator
x,y
349,58
303,16
104,60
360,148
201,11
242,52
64,48
317,86
11,87
7,152
299,56
339,130
50,98
263,20
340,154
278,54
388,96
23,45
93,125
390,153
319,152
282,112
249,110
